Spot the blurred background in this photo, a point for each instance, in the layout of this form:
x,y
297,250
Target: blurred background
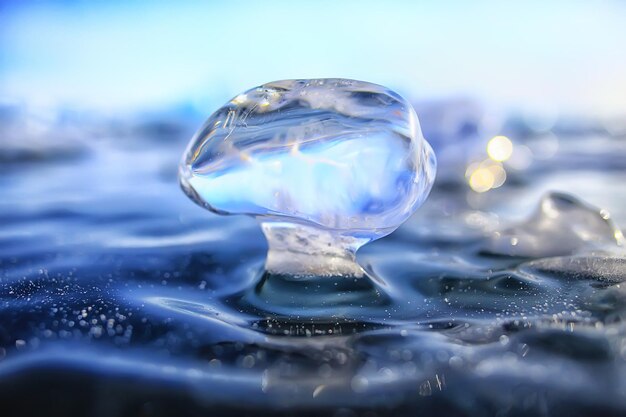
x,y
123,56
530,74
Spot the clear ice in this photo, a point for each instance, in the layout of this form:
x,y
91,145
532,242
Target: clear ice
x,y
325,165
561,225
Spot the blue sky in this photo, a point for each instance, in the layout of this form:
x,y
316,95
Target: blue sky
x,y
121,56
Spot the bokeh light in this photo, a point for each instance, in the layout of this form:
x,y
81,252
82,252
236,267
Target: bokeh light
x,y
500,148
485,175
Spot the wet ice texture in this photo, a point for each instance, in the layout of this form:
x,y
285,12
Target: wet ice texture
x,y
561,225
325,164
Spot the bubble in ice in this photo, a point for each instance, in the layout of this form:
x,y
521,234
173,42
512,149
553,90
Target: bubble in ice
x,y
326,165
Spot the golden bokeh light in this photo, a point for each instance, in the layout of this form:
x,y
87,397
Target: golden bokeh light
x,y
481,180
499,174
500,148
485,175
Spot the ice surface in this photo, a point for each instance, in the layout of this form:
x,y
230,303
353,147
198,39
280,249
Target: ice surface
x,y
599,268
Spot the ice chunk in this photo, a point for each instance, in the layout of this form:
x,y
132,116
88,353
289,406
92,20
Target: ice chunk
x,y
325,164
562,225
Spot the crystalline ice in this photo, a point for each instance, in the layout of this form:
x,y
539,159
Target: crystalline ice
x,y
326,165
562,225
